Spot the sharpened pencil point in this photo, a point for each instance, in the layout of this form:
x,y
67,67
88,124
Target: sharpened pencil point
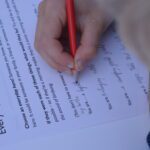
x,y
77,78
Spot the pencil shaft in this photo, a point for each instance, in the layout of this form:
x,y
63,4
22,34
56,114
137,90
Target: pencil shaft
x,y
71,25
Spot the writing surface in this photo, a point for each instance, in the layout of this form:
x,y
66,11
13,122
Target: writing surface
x,y
41,101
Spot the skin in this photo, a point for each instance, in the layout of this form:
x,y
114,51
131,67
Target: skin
x,y
50,28
93,17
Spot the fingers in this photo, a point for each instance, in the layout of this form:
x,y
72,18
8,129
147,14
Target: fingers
x,y
89,43
51,21
53,54
49,30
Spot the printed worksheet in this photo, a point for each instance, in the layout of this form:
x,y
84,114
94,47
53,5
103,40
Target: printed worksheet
x,y
40,101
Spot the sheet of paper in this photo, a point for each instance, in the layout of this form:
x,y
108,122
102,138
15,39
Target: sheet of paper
x,y
40,101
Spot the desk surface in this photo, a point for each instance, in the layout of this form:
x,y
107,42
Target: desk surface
x,y
129,134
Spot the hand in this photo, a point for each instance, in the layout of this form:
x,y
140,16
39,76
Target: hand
x,y
91,22
134,28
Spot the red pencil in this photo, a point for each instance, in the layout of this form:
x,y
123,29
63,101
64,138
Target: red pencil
x,y
71,26
71,18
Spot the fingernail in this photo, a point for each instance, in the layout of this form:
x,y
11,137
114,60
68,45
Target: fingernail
x,y
70,66
79,65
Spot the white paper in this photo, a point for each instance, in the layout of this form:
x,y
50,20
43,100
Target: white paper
x,y
40,101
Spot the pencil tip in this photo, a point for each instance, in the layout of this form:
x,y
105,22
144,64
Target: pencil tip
x,y
76,78
76,82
